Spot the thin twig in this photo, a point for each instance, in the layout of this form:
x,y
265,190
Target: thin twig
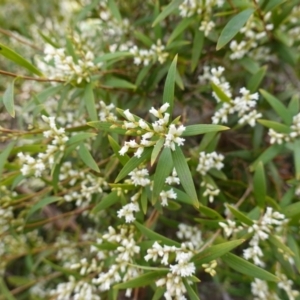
x,y
8,33
29,77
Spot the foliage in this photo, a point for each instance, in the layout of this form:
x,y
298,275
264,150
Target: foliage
x,y
149,149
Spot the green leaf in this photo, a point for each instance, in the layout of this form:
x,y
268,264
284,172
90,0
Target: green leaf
x,y
242,266
267,155
233,27
40,204
144,201
114,10
215,251
151,235
168,95
182,25
119,83
18,59
192,294
106,202
272,4
142,280
280,109
185,175
297,158
167,11
256,79
206,140
159,291
183,197
239,215
259,185
80,137
198,43
133,163
278,127
219,92
8,99
107,126
202,128
163,170
291,210
114,55
87,158
292,244
156,150
89,100
250,65
4,155
116,148
294,105
275,241
5,291
211,213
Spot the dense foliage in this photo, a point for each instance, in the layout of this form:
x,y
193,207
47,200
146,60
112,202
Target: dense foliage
x,y
149,149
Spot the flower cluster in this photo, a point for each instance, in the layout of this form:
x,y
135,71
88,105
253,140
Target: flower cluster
x,y
183,268
155,53
37,166
208,161
270,222
279,137
243,105
191,234
254,30
105,112
189,8
151,133
59,65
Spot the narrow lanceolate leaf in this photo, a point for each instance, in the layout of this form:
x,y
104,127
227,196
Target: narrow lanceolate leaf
x,y
278,127
211,213
182,25
192,294
247,268
216,251
89,100
5,292
87,158
107,126
151,235
259,185
163,170
18,59
256,79
277,105
185,175
142,280
156,150
116,148
297,158
168,95
267,155
233,27
40,204
183,197
133,163
119,83
275,241
106,202
111,56
291,210
80,137
8,99
202,128
239,215
197,48
4,156
219,92
167,11
114,10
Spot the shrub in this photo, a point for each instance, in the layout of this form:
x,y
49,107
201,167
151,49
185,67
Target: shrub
x,y
150,150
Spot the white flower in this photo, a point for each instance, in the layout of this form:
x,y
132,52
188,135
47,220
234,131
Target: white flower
x,y
140,177
165,195
172,137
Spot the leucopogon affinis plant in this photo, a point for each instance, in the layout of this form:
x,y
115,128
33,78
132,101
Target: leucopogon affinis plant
x,y
149,150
